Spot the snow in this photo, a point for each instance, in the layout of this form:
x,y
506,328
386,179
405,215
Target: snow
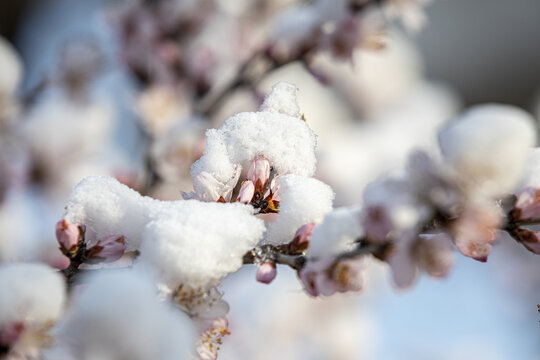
x,y
489,146
119,316
286,141
337,232
302,200
33,294
199,242
186,241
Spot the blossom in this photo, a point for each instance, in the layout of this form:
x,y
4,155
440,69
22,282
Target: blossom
x,y
527,204
327,276
476,229
247,190
487,147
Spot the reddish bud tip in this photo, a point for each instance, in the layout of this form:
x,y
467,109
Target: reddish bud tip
x,y
67,235
302,236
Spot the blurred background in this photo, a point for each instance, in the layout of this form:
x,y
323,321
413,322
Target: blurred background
x,y
127,89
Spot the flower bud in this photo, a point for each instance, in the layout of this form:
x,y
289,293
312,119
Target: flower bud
x,y
527,204
67,235
259,172
247,190
10,333
534,243
206,187
435,254
377,223
109,249
529,239
301,238
476,230
266,272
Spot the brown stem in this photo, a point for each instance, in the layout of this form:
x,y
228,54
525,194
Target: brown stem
x,y
75,259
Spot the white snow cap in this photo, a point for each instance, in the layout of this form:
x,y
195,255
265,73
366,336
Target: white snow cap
x,y
118,316
488,146
33,294
187,241
337,232
302,200
282,99
107,207
199,242
532,170
276,132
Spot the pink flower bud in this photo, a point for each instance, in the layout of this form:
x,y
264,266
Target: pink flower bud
x,y
529,239
247,190
67,235
527,204
266,273
476,230
435,254
533,244
109,249
302,236
10,333
377,223
326,277
259,170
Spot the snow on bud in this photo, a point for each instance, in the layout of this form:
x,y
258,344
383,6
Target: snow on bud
x,y
32,299
259,172
107,250
282,99
488,147
476,229
266,272
247,190
67,235
527,205
119,316
301,238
